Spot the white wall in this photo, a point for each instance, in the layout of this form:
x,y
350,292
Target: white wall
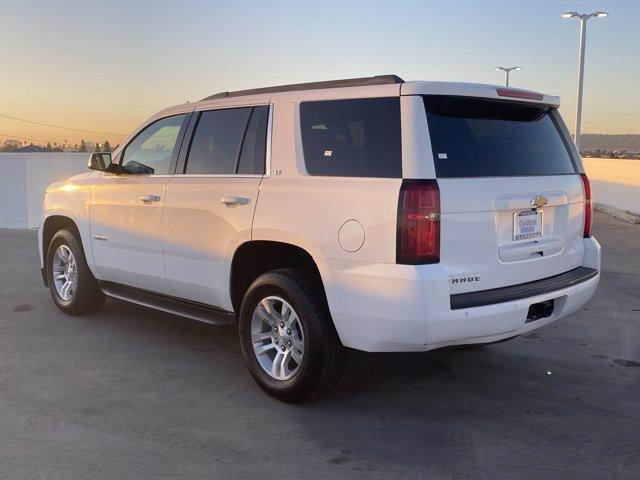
x,y
615,183
23,178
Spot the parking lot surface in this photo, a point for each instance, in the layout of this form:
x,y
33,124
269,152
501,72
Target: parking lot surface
x,y
133,393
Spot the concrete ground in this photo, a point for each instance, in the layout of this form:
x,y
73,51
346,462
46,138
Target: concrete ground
x,y
130,393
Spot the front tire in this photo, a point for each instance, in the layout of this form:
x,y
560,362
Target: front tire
x,y
73,287
288,340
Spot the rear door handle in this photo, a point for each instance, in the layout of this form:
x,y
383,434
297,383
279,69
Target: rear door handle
x,y
149,198
228,201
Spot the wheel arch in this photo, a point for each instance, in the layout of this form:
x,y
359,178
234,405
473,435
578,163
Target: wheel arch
x,y
53,224
253,258
50,226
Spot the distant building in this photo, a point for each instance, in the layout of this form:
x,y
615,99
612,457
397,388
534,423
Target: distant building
x,y
31,149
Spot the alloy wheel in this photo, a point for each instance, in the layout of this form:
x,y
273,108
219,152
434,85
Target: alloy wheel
x,y
277,338
65,273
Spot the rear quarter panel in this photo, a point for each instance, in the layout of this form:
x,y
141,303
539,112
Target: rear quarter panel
x,y
309,211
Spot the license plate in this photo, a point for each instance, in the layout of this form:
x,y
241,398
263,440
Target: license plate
x,y
527,224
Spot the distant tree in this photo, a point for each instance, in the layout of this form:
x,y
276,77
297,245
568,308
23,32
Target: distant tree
x,y
48,146
83,146
75,147
106,147
97,149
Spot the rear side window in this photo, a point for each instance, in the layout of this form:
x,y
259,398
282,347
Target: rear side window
x,y
473,137
352,138
252,157
229,141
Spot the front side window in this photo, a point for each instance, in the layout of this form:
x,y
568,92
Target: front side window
x,y
352,138
229,141
150,152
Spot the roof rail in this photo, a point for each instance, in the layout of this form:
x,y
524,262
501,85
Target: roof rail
x,y
349,82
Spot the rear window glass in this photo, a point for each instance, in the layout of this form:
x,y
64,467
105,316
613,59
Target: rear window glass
x,y
473,137
216,143
352,138
252,157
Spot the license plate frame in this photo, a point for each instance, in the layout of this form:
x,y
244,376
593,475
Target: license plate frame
x,y
536,230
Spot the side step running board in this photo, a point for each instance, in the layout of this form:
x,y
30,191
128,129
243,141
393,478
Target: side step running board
x,y
185,308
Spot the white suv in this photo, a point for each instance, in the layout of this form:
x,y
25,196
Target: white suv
x,y
370,213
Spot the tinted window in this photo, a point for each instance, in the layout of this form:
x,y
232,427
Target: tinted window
x,y
252,157
217,140
474,138
352,138
151,151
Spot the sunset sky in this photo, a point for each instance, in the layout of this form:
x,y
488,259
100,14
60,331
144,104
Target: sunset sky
x,y
105,66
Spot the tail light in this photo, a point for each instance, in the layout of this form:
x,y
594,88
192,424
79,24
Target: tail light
x,y
418,238
588,206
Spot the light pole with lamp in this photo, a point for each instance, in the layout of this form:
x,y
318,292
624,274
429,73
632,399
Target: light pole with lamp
x,y
583,17
507,70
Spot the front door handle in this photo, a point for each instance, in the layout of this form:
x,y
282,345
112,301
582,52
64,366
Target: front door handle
x,y
228,201
149,198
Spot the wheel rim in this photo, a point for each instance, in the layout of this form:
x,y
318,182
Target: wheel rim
x,y
277,337
65,273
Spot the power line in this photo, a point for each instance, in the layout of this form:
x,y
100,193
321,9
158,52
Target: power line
x,y
63,128
11,137
41,141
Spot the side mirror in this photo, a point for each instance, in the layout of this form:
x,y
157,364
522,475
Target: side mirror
x,y
100,161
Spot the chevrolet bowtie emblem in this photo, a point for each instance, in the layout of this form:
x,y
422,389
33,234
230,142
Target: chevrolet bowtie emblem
x,y
539,201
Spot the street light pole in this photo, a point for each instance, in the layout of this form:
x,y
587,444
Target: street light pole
x,y
583,17
507,71
583,39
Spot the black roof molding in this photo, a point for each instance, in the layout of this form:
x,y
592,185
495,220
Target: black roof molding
x,y
349,82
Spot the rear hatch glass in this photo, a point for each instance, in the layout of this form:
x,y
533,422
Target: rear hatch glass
x,y
512,204
473,137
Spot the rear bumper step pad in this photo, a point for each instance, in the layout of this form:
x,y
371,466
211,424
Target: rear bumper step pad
x,y
523,290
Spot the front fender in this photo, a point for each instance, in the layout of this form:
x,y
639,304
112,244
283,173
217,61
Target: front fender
x,y
69,200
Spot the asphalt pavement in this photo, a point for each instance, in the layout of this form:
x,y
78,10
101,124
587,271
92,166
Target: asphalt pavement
x,y
131,393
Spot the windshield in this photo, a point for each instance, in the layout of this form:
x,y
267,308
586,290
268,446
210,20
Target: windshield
x,y
473,137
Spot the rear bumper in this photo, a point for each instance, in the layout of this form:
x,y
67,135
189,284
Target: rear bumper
x,y
384,307
525,290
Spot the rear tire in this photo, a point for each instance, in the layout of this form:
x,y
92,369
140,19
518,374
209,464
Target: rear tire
x,y
288,340
73,287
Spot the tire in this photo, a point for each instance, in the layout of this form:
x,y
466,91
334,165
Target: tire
x,y
316,355
84,294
